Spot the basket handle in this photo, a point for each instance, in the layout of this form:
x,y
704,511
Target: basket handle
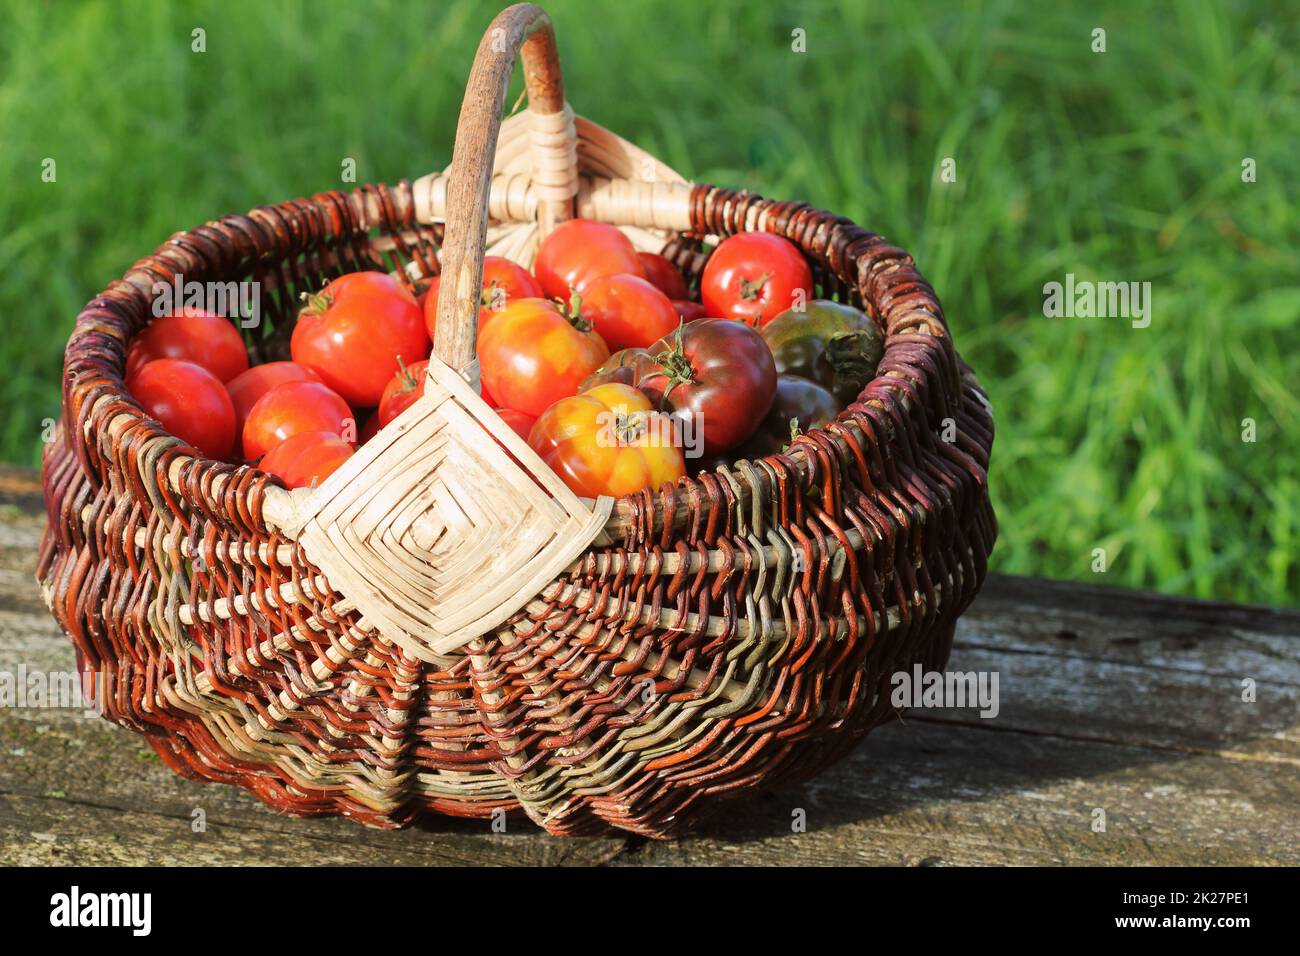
x,y
521,30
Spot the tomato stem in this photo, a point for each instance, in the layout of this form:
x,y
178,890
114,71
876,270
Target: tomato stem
x,y
628,427
675,366
408,380
751,288
317,302
572,311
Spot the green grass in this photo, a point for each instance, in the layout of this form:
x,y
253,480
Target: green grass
x,y
1120,166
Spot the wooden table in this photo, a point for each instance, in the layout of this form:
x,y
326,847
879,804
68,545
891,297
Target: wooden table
x,y
1111,700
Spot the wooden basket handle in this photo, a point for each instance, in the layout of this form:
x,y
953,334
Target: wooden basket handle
x,y
521,30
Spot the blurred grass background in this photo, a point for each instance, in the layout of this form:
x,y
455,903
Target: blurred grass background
x,y
1119,166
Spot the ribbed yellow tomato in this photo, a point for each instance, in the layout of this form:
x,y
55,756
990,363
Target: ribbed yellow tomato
x,y
608,440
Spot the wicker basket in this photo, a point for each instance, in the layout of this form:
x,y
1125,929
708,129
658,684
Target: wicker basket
x,y
442,626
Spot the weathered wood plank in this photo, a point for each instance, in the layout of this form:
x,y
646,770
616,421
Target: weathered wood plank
x,y
48,832
1136,627
1113,700
916,793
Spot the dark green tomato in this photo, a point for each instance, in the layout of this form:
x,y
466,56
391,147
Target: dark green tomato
x,y
834,345
800,405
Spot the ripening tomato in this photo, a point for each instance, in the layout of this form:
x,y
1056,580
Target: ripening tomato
x,y
503,282
354,333
800,406
665,276
293,408
752,276
407,385
307,458
608,441
247,387
530,355
521,423
689,311
578,251
189,401
716,377
626,311
194,335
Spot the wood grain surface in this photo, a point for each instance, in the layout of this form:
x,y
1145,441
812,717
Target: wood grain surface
x,y
1115,701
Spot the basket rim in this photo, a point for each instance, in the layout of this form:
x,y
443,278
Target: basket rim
x,y
338,216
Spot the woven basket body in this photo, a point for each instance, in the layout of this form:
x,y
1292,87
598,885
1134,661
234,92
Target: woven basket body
x,y
734,631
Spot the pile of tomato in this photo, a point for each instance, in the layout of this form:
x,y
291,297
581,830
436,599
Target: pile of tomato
x,y
600,358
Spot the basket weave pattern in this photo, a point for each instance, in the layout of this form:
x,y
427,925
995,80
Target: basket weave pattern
x,y
736,630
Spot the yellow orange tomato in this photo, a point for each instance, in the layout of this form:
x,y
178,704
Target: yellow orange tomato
x,y
608,441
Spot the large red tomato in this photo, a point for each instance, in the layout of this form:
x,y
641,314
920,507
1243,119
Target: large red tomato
x,y
578,251
406,386
715,376
247,387
531,356
306,458
194,335
503,282
293,408
627,311
189,401
354,333
665,276
608,441
752,276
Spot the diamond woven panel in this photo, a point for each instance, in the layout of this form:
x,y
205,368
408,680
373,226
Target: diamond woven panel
x,y
446,524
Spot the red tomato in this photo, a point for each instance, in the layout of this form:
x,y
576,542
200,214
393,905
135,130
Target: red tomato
x,y
753,276
521,423
689,311
407,385
307,458
664,275
293,408
189,401
354,332
194,335
627,312
530,356
715,376
247,387
578,251
608,441
503,281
